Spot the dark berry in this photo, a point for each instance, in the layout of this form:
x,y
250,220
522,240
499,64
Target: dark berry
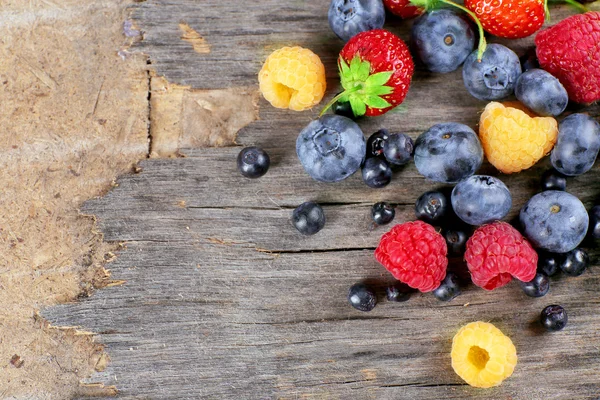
x,y
382,213
253,162
448,289
554,318
549,263
398,149
308,218
375,143
431,207
529,60
594,227
348,18
553,180
376,173
362,297
542,93
398,292
575,262
343,109
537,287
456,241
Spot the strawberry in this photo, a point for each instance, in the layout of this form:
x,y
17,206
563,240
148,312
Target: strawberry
x,y
511,19
402,8
570,50
375,70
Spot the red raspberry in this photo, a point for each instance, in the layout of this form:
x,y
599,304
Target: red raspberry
x,y
415,254
570,50
496,252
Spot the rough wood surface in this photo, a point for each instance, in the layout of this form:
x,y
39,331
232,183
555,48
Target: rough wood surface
x,y
222,299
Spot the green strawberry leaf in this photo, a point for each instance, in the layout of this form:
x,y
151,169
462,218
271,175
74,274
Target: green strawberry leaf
x,y
359,108
376,102
378,79
361,88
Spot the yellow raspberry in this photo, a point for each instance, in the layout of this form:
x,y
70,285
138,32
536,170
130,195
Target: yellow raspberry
x,y
512,140
482,355
294,78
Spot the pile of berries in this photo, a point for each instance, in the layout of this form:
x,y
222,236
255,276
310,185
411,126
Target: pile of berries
x,y
462,227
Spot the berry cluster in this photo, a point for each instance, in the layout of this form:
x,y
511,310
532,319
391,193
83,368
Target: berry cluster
x,y
464,224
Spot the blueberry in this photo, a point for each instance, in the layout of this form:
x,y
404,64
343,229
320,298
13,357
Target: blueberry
x,y
375,143
537,287
554,221
398,149
376,173
349,17
594,228
448,153
495,76
554,317
542,93
553,180
529,60
431,207
362,297
398,292
308,218
441,40
548,263
331,148
577,145
575,262
448,289
253,162
481,199
382,213
456,240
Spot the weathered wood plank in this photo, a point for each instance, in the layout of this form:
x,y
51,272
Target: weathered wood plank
x,y
223,299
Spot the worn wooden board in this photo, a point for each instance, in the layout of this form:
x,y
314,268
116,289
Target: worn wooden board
x,y
222,299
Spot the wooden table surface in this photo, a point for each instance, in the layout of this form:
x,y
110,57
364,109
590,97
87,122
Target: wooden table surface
x,y
224,300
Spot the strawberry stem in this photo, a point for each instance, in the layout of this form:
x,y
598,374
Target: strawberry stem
x,y
432,4
336,98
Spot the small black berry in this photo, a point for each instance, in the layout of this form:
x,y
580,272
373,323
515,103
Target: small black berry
x,y
343,109
456,241
594,227
575,262
382,213
375,143
362,297
398,292
549,263
537,287
253,162
553,180
376,173
431,207
398,149
448,289
554,318
308,218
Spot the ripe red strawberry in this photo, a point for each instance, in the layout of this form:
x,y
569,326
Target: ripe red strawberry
x,y
570,50
496,253
415,254
375,70
511,19
402,8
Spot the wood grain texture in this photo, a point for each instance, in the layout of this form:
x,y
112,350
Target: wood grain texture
x,y
224,300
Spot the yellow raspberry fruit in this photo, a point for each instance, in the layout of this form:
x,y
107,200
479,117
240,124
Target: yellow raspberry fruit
x,y
512,140
294,78
482,355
